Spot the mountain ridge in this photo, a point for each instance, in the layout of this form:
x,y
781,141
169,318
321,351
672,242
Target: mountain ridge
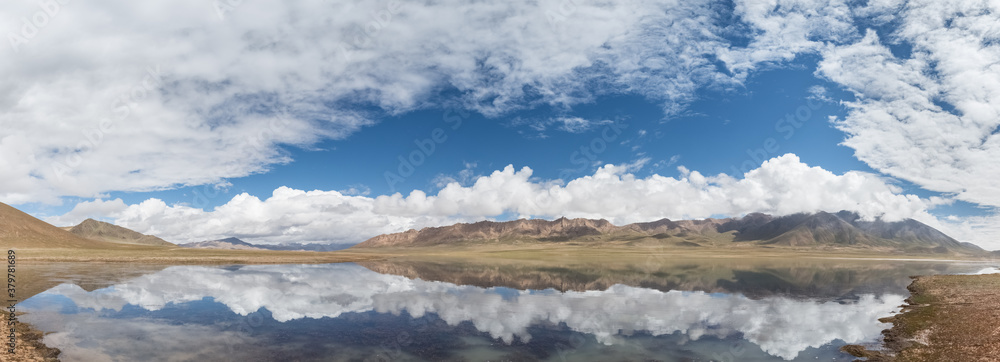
x,y
233,243
230,243
841,229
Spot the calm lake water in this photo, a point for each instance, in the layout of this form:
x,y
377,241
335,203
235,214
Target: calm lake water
x,y
694,310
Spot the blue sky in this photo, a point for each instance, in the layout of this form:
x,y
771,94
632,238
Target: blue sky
x,y
721,132
231,118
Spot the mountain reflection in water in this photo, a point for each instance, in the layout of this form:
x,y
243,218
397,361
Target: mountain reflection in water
x,y
348,312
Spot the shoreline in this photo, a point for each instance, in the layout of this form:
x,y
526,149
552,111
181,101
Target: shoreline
x,y
188,256
947,317
563,251
29,346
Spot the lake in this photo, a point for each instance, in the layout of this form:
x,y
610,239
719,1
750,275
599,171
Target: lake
x,y
489,310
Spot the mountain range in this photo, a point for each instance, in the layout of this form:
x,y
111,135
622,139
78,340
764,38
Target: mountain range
x,y
227,243
821,229
802,231
237,244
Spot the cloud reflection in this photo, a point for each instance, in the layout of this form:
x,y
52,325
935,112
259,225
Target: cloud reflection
x,y
781,326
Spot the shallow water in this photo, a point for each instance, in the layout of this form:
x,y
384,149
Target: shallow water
x,y
433,310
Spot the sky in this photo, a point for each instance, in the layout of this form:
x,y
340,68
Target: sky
x,y
321,121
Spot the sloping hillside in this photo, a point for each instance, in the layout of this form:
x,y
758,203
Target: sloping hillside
x,y
20,230
102,231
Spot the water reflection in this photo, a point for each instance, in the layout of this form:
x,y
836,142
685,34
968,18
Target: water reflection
x,y
820,279
317,311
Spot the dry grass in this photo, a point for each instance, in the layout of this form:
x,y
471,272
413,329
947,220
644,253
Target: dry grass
x,y
948,318
29,346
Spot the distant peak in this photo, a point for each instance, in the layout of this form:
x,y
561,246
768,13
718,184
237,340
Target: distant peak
x,y
233,240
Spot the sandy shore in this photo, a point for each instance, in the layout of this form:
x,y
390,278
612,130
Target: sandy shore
x,y
947,318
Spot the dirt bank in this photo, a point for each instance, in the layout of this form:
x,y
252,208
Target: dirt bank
x,y
29,346
947,318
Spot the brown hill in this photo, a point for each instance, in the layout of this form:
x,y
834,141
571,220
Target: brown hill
x,y
557,230
821,229
20,230
102,231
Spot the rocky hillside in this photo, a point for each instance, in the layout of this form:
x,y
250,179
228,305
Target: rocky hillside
x,y
843,229
102,231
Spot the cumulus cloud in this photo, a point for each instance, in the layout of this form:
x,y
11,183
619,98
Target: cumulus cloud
x,y
780,326
783,185
88,209
289,215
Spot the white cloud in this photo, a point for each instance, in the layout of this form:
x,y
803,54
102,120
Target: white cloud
x,y
931,118
166,93
466,176
570,124
781,186
88,209
357,190
780,30
289,215
983,230
666,163
818,92
577,124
